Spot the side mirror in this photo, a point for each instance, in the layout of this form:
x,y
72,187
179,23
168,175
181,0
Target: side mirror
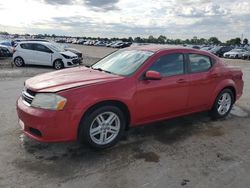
x,y
152,75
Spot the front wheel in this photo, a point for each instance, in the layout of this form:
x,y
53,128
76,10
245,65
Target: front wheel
x,y
103,127
223,104
58,64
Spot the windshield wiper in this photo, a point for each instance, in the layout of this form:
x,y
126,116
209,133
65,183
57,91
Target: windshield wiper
x,y
100,69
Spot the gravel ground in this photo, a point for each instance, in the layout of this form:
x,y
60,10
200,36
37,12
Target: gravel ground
x,y
190,151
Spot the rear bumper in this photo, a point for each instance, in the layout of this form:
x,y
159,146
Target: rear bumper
x,y
240,87
46,125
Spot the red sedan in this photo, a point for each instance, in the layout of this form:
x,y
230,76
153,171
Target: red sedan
x,y
128,88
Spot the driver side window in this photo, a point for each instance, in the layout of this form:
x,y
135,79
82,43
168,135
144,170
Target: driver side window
x,y
169,65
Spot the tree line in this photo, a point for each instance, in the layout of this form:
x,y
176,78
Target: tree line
x,y
151,39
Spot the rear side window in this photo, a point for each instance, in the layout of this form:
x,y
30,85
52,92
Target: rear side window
x,y
26,46
169,65
199,63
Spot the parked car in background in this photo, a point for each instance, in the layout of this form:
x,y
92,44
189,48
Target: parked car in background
x,y
196,47
43,53
246,55
235,53
4,51
116,45
206,48
61,40
9,50
80,41
145,84
123,45
120,45
7,43
110,44
100,43
220,50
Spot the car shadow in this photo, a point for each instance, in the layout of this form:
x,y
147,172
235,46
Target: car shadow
x,y
48,159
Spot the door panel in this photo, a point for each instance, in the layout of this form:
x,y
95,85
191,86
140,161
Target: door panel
x,y
203,81
41,55
160,98
43,58
156,99
26,52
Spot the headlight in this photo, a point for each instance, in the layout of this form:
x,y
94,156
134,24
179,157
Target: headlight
x,y
67,57
49,101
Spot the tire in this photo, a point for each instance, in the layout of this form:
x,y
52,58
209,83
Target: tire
x,y
236,57
223,104
104,134
58,64
19,62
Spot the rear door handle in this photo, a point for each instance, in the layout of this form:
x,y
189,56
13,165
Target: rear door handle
x,y
181,81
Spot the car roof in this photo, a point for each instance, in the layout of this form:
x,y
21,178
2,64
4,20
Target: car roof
x,y
34,42
157,48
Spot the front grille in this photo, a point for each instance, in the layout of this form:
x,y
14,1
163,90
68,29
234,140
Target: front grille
x,y
28,96
79,55
75,61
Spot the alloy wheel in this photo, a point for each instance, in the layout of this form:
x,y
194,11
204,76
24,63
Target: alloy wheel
x,y
224,103
18,62
105,128
58,65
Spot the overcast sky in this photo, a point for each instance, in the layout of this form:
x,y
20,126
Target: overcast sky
x,y
122,18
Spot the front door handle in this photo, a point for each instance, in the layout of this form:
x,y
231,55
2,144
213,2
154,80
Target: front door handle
x,y
181,81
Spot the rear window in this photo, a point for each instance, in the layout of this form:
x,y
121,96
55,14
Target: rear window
x,y
199,63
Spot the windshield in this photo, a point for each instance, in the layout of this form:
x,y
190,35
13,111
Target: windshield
x,y
123,62
56,47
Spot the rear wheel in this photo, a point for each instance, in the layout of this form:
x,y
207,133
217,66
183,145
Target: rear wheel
x,y
103,127
19,62
223,104
58,64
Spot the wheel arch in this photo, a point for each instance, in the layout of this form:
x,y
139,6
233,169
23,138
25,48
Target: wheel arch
x,y
121,105
229,85
60,59
232,88
18,56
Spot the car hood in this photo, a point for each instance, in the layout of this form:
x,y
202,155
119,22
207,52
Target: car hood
x,y
68,53
68,78
72,50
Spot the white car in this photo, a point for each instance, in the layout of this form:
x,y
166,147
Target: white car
x,y
235,53
43,53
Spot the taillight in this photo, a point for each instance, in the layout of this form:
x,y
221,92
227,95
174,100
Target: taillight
x,y
14,50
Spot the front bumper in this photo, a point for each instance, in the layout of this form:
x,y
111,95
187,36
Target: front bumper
x,y
72,62
47,125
